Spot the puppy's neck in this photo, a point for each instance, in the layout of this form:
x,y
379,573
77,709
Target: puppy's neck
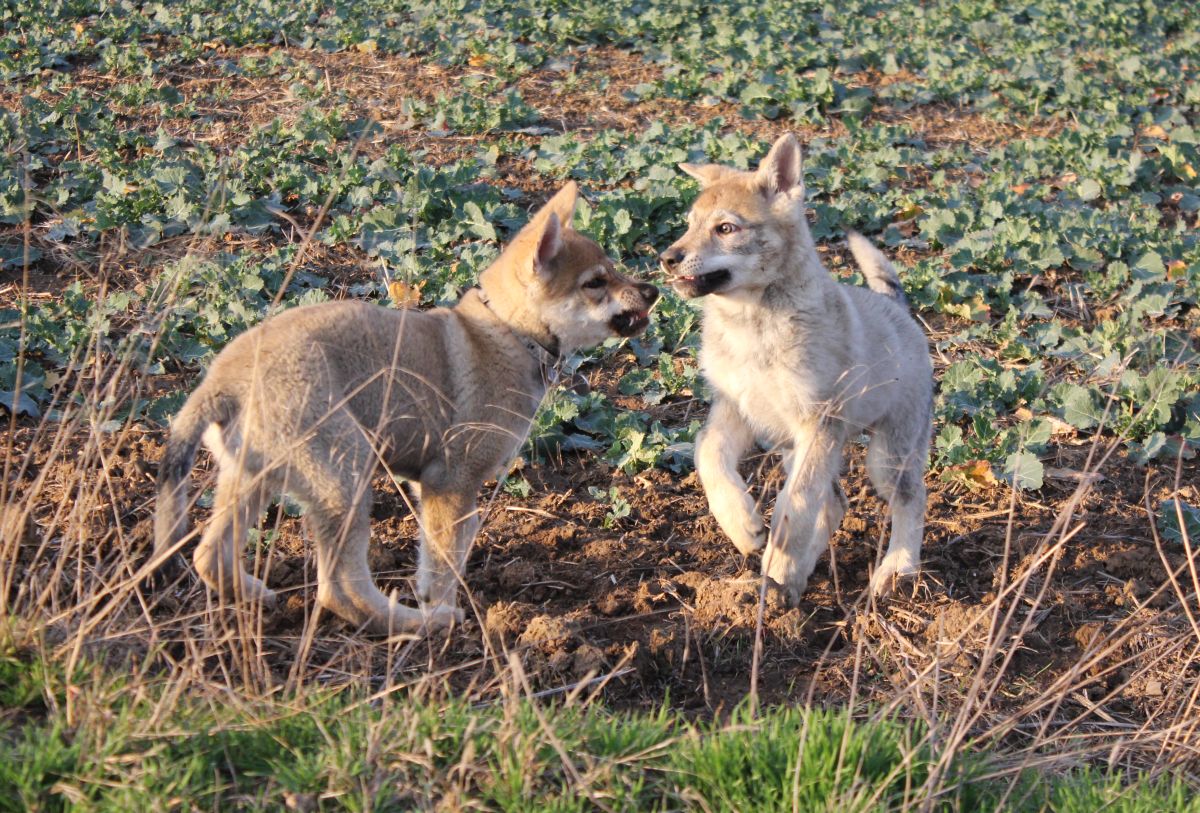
x,y
515,315
800,261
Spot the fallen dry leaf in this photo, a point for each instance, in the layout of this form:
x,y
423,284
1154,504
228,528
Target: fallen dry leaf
x,y
404,295
975,474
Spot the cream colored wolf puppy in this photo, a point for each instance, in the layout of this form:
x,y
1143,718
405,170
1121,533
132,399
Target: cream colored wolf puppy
x,y
313,400
803,363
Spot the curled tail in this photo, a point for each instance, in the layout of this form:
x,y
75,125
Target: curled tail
x,y
187,428
881,275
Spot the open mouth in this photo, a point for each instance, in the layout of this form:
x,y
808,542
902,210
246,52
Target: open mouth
x,y
630,323
701,284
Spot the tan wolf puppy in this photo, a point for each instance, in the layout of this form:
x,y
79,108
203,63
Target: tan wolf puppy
x,y
801,363
312,401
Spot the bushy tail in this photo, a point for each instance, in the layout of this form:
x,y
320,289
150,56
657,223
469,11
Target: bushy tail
x,y
881,275
187,428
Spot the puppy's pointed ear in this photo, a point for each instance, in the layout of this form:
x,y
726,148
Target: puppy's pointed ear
x,y
549,244
708,174
562,205
782,171
541,239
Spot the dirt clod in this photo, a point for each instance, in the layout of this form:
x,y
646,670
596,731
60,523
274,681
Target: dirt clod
x,y
547,633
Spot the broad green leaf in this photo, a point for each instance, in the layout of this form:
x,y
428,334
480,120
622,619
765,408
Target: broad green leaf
x,y
1024,471
1089,189
1169,514
1080,407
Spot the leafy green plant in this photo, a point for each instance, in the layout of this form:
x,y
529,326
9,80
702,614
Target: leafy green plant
x,y
618,507
1177,520
517,487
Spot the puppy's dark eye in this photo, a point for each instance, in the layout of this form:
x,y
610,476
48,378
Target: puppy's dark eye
x,y
595,282
725,229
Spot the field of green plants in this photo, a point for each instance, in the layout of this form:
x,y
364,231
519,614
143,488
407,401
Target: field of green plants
x,y
173,172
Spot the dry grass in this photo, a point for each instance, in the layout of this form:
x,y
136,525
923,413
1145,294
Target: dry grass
x,y
76,525
977,671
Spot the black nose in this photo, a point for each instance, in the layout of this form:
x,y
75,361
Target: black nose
x,y
671,257
649,293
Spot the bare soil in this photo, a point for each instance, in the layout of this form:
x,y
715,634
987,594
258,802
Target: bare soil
x,y
660,605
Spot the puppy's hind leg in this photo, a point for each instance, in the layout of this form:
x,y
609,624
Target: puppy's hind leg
x,y
896,469
237,505
719,447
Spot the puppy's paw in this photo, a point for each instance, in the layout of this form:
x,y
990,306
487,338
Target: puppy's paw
x,y
891,573
164,575
784,577
441,616
738,517
752,536
781,596
777,598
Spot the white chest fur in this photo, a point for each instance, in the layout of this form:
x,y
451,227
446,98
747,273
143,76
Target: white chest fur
x,y
759,365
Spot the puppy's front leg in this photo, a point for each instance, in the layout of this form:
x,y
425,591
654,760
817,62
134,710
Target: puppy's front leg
x,y
719,447
449,522
807,511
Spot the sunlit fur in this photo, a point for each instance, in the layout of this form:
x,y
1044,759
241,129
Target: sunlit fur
x,y
312,401
802,364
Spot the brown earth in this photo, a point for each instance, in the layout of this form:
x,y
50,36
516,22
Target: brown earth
x,y
659,604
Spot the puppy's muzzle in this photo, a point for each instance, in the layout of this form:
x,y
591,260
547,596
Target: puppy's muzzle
x,y
633,321
690,285
671,258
